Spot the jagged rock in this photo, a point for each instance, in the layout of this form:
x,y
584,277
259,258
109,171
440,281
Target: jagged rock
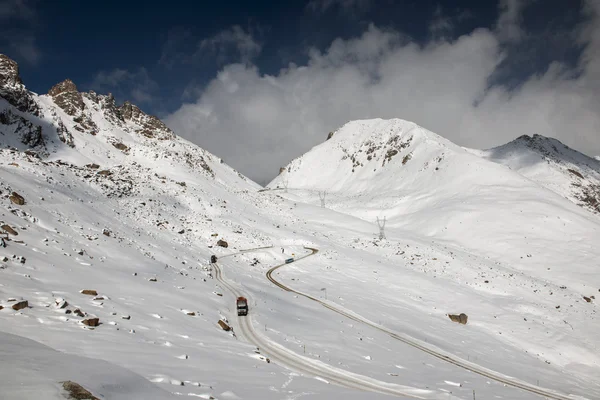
x,y
147,125
77,392
66,96
12,88
20,305
9,229
17,199
120,146
460,318
29,134
79,313
224,325
222,243
91,321
60,303
89,292
92,166
63,134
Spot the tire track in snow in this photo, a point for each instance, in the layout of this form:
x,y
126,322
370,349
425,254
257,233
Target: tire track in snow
x,y
432,350
287,358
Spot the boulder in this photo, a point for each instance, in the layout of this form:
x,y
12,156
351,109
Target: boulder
x,y
120,146
92,166
89,292
460,318
77,392
224,325
91,321
222,243
587,299
20,305
17,199
9,229
79,313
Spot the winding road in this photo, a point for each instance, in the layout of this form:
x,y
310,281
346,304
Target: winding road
x,y
344,378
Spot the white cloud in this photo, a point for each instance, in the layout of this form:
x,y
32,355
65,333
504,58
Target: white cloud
x,y
234,38
260,122
136,86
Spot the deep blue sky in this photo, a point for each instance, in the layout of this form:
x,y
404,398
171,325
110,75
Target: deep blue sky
x,y
79,39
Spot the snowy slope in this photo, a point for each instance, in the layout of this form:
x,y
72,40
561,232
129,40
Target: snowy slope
x,y
553,165
117,203
429,188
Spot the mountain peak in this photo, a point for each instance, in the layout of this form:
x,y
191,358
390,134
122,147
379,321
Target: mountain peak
x,y
12,88
553,165
66,96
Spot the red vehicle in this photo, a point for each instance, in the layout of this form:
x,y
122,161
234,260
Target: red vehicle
x,y
242,306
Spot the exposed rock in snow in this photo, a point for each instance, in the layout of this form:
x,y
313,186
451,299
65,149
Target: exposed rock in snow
x,y
553,165
12,88
144,124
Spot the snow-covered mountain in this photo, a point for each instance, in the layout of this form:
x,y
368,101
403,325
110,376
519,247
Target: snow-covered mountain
x,y
553,165
424,185
106,213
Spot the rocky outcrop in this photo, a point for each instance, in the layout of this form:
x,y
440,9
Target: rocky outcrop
x,y
20,305
9,229
77,392
66,96
91,322
146,125
108,106
28,133
17,199
12,88
224,325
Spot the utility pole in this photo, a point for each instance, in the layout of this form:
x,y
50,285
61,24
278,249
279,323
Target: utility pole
x,y
322,198
381,225
285,183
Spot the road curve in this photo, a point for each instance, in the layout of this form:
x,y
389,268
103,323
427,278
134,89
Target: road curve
x,y
496,376
310,367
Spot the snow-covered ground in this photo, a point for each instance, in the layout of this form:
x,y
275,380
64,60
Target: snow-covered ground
x,y
463,235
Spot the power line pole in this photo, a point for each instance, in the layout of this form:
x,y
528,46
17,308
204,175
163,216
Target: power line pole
x,y
381,225
322,198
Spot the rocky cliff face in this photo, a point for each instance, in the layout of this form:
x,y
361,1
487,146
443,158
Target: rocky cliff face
x,y
91,124
66,96
12,89
147,125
